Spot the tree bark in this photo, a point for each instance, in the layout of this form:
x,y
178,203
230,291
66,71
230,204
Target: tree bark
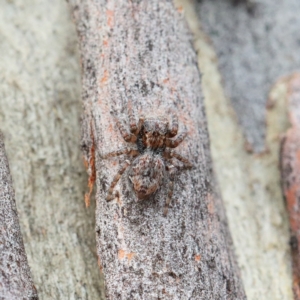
x,y
15,275
139,54
253,51
40,117
290,174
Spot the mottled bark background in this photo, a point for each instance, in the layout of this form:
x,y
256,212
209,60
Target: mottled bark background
x,y
39,116
15,277
143,57
256,41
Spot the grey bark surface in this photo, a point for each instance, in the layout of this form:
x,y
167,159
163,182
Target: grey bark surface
x,y
256,41
40,108
250,183
40,118
141,52
15,277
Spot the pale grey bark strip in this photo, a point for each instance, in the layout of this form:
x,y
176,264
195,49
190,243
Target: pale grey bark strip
x,y
40,118
141,51
15,276
257,41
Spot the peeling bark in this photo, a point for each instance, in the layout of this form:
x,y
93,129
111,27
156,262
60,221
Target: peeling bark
x,y
290,174
140,52
257,41
15,275
249,183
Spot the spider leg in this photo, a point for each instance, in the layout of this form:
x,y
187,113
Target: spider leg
x,y
110,195
174,143
174,126
140,124
172,171
172,153
134,127
127,136
126,150
132,122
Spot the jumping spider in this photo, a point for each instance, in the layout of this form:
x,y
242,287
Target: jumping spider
x,y
153,138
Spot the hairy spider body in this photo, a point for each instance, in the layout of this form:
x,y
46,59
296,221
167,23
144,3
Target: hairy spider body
x,y
153,133
146,174
152,158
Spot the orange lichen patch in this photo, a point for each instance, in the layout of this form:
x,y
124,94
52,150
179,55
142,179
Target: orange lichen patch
x,y
130,256
165,81
111,128
122,254
104,78
210,205
110,18
105,42
197,257
92,173
180,8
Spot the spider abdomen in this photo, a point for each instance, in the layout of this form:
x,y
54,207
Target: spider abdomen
x,y
146,174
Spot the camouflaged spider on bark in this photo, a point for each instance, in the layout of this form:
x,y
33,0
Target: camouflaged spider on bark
x,y
151,158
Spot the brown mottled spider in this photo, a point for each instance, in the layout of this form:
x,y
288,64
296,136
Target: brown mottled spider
x,y
153,138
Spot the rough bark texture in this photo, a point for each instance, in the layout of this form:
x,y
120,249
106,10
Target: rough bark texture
x,y
250,183
290,174
39,115
40,102
15,276
140,51
256,42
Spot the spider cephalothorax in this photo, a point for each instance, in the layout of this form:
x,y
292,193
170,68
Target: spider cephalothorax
x,y
151,158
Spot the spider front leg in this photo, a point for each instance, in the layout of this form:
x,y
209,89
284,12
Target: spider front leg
x,y
132,123
134,127
186,163
172,153
126,150
127,136
174,126
110,194
174,143
140,124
